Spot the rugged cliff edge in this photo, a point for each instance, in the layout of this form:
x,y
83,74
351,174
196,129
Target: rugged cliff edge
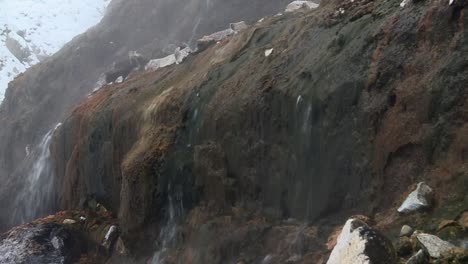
x,y
356,102
257,149
38,99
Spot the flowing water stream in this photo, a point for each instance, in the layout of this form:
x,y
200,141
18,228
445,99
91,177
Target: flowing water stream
x,y
37,197
168,234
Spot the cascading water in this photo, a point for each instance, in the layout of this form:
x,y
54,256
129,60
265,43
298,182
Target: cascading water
x,y
37,197
168,234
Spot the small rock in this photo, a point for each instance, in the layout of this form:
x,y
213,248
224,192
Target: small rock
x,y
69,222
161,63
119,80
82,218
208,40
434,245
110,238
238,26
268,52
359,243
445,223
404,3
418,199
418,258
295,5
406,230
181,54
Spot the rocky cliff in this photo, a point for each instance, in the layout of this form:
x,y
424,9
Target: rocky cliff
x,y
37,100
349,110
258,148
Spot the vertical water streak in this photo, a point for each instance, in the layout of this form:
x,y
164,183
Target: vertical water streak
x,y
37,197
168,233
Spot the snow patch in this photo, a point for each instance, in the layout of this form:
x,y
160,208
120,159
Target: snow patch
x,y
32,30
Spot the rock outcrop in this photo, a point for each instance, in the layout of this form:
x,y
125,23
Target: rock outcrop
x,y
418,199
434,246
358,243
295,5
231,128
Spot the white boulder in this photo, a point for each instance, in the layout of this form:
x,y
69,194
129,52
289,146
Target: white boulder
x,y
295,5
268,52
404,3
119,80
69,222
111,236
238,26
418,199
355,243
208,40
434,245
181,54
161,63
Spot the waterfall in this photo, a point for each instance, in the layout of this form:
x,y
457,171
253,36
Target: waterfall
x,y
168,234
37,197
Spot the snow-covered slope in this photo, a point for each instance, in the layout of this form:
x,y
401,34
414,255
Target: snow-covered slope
x,y
31,30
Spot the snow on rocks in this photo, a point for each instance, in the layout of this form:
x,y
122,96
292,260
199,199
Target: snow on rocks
x,y
295,5
176,58
181,54
161,63
358,243
418,199
208,40
26,28
434,245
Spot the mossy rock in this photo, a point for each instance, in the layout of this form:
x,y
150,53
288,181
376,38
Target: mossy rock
x,y
454,232
456,256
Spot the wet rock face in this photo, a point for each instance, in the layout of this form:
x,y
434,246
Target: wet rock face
x,y
40,243
38,98
332,115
